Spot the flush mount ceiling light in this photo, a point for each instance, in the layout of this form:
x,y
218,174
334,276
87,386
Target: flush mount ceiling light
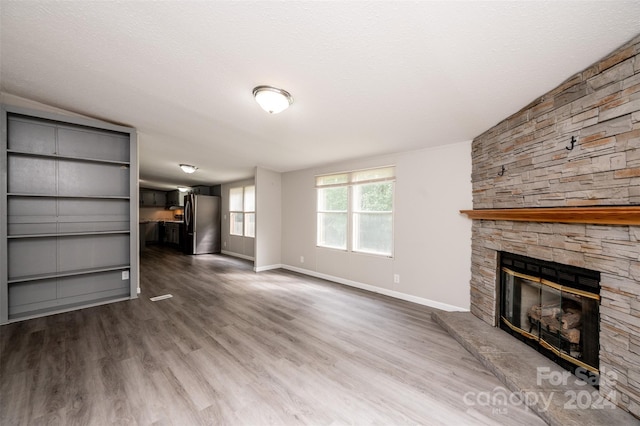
x,y
272,99
187,168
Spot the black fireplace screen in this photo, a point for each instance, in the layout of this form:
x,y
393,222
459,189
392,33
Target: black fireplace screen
x,y
552,307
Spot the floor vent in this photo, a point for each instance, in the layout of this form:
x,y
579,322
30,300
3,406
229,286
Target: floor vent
x,y
164,296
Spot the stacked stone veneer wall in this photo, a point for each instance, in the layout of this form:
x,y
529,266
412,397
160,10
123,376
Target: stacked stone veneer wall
x,y
601,108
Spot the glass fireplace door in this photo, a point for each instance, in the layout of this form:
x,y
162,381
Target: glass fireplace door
x,y
519,293
562,320
547,314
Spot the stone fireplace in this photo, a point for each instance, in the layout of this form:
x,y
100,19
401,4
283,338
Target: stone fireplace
x,y
534,196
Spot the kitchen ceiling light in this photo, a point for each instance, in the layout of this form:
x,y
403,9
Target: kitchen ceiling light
x,y
187,168
183,189
272,99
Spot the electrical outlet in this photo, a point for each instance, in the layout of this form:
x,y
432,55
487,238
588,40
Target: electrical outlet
x,y
396,278
301,259
125,275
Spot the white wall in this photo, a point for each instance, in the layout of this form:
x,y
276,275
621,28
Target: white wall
x,y
268,220
234,245
432,240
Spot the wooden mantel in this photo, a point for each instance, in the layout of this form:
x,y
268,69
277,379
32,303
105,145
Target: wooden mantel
x,y
616,215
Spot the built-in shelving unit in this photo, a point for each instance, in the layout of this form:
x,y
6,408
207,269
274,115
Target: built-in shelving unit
x,y
69,214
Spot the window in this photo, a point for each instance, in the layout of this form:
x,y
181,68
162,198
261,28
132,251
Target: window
x,y
355,211
250,211
242,211
332,217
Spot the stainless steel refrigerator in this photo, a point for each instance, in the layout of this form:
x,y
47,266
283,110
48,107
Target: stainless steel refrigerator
x,y
202,224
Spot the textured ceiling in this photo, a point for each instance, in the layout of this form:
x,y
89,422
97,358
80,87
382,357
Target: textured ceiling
x,y
368,78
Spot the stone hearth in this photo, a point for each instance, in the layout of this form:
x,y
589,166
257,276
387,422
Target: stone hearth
x,y
600,108
558,399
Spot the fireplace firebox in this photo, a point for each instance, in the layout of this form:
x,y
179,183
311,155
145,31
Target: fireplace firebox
x,y
554,308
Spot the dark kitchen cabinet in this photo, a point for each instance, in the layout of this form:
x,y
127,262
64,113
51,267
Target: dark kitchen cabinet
x,y
201,190
152,198
147,198
172,233
160,198
175,199
152,232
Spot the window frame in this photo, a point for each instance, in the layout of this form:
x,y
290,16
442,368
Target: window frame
x,y
327,211
356,213
350,180
243,213
249,212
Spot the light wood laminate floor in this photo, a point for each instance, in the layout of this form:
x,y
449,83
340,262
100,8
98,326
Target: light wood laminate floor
x,y
233,347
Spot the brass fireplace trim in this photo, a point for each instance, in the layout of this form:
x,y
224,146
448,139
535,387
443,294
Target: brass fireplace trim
x,y
521,275
551,347
551,284
519,330
571,290
568,357
608,215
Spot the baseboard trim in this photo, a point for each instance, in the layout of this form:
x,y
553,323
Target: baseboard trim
x,y
241,256
379,290
267,268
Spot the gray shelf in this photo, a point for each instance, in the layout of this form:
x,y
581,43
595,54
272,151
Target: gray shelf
x,y
38,277
97,197
58,309
59,176
67,157
65,234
